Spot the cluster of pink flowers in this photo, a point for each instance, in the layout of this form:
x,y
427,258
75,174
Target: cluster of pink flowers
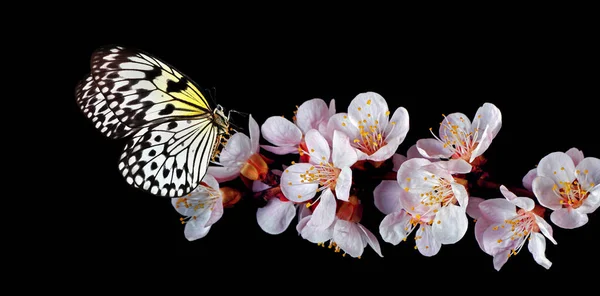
x,y
426,194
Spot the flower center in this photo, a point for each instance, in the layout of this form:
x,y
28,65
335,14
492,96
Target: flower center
x,y
204,198
571,194
324,174
440,194
459,140
372,132
521,227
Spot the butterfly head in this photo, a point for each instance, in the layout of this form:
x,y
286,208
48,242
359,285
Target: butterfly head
x,y
220,119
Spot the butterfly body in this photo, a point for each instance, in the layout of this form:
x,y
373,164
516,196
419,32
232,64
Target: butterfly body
x,y
175,132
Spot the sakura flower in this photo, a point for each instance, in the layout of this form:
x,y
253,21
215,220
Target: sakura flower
x,y
571,190
425,196
339,225
459,138
287,136
241,156
373,134
575,154
504,225
201,208
300,182
278,213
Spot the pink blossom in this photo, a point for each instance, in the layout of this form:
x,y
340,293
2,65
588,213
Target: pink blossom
x,y
373,134
502,230
287,136
575,154
569,186
200,209
459,138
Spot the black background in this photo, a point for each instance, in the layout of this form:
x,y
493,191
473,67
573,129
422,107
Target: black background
x,y
538,76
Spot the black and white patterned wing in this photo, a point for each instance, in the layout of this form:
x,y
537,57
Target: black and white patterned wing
x,y
171,158
143,90
95,107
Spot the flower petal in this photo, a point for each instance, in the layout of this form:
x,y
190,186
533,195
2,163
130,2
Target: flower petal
x,y
387,196
254,134
365,104
528,179
455,166
576,155
500,259
496,239
400,126
543,189
348,237
408,167
223,174
568,218
275,217
413,152
386,151
393,227
371,239
316,235
331,108
211,181
473,207
283,150
537,247
522,202
215,214
397,160
592,202
454,122
497,210
342,155
324,214
281,132
481,226
432,148
341,122
259,186
557,166
461,195
427,244
302,221
343,184
317,147
311,113
589,172
292,184
450,224
483,144
238,149
303,211
488,115
194,231
545,228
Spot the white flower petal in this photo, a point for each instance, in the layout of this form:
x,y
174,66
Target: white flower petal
x,y
317,146
368,103
545,228
522,202
342,155
259,186
324,214
461,195
537,247
254,134
283,150
292,185
497,210
303,211
275,217
316,235
371,239
455,166
215,214
409,167
393,227
413,152
194,231
401,125
576,155
432,148
210,181
387,196
224,174
427,244
473,207
450,224
281,132
528,179
543,189
348,237
589,172
557,166
331,108
500,259
343,184
311,113
483,144
341,122
592,202
238,149
488,115
568,219
302,222
481,226
496,239
386,151
453,122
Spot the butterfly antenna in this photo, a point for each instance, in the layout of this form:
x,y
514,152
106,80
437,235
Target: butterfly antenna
x,y
212,94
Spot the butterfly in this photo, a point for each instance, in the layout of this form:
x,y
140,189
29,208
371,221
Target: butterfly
x,y
175,133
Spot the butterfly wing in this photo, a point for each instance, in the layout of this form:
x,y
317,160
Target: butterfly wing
x,y
141,89
95,107
170,158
